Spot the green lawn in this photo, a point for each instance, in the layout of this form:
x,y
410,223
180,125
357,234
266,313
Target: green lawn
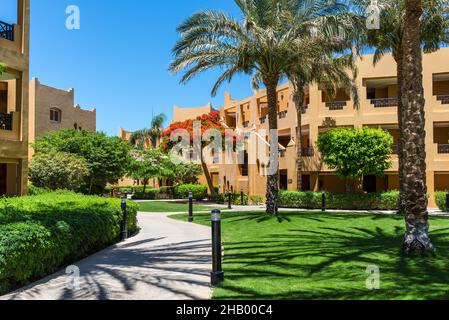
x,y
158,206
325,256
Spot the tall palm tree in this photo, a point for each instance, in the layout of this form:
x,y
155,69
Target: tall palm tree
x,y
140,137
434,30
259,43
417,239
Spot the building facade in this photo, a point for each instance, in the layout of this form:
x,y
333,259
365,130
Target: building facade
x,y
52,109
378,109
14,102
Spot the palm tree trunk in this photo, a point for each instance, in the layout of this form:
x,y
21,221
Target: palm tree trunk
x,y
210,184
417,239
298,98
273,175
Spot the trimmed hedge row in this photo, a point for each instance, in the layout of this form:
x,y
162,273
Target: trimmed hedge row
x,y
312,200
40,234
199,191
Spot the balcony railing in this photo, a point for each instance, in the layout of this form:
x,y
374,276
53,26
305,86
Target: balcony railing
x,y
443,98
263,120
443,148
308,152
395,149
282,115
336,105
384,102
245,124
5,121
6,31
305,108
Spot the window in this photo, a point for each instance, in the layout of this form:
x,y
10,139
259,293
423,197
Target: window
x,y
55,115
75,126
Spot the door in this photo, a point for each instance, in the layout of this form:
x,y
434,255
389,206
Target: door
x,y
2,179
305,182
369,184
283,180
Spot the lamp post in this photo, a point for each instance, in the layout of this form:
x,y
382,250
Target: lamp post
x,y
124,232
229,200
323,201
190,206
242,198
447,201
217,274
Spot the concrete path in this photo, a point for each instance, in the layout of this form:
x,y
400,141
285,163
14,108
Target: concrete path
x,y
167,260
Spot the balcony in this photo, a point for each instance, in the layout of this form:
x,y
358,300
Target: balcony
x,y
384,102
443,148
263,120
245,124
444,99
6,31
336,105
282,114
308,152
6,121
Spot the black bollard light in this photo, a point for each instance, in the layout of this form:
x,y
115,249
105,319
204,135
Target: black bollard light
x,y
323,201
447,201
124,232
242,198
190,206
217,274
229,200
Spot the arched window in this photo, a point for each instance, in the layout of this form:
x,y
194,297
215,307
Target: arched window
x,y
55,115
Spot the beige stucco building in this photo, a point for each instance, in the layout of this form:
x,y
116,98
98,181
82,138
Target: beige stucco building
x,y
53,109
378,95
14,106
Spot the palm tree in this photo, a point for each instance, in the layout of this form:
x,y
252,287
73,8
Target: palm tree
x,y
259,43
389,38
417,239
140,137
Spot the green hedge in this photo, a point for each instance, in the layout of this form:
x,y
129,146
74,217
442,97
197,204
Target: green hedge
x,y
182,191
128,189
440,199
343,201
154,194
40,234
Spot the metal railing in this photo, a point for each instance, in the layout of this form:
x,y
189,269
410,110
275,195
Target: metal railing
x,y
245,124
282,115
444,98
5,121
6,31
384,102
336,105
263,120
443,148
282,153
308,152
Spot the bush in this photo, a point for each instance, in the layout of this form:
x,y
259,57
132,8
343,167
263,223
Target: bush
x,y
40,234
58,170
128,189
255,200
440,199
182,191
340,201
36,191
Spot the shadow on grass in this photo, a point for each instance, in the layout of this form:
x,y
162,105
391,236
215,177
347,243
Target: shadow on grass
x,y
325,256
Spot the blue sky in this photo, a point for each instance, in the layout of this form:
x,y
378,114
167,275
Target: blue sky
x,y
117,62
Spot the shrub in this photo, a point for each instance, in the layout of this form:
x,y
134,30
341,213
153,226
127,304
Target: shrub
x,y
340,201
40,234
255,200
182,191
58,170
440,199
35,191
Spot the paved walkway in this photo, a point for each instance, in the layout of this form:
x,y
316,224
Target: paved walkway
x,y
167,260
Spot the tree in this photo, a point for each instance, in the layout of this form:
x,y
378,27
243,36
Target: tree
x,y
259,43
434,30
107,157
150,163
209,121
58,170
186,173
139,138
417,239
354,153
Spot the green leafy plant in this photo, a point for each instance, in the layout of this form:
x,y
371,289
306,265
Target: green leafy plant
x,y
199,191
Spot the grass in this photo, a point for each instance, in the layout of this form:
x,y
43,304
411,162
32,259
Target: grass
x,y
325,256
158,206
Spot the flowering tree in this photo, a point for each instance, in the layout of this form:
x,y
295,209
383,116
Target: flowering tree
x,y
210,121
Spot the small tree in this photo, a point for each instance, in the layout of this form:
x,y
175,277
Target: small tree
x,y
150,163
186,173
58,170
108,158
353,153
